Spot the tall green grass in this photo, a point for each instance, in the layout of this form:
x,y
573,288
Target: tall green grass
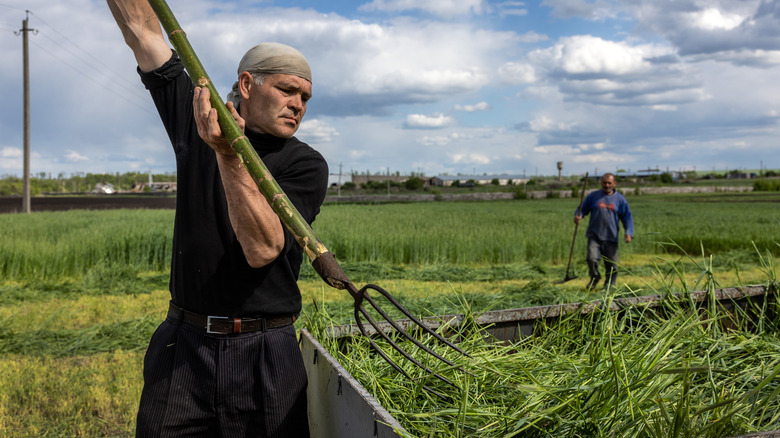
x,y
500,232
454,233
74,243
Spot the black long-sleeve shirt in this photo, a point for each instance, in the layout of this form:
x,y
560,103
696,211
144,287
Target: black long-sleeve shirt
x,y
209,273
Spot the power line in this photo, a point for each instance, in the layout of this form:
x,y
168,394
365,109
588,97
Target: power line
x,y
120,75
144,108
12,7
133,91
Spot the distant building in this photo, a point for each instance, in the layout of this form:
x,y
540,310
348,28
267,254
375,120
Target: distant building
x,y
335,180
362,179
741,175
448,180
163,186
104,189
154,187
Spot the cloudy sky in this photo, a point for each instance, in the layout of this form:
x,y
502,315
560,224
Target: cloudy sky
x,y
431,86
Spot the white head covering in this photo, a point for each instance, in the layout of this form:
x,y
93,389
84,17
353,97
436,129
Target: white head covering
x,y
271,58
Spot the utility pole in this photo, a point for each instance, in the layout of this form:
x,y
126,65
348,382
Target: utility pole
x,y
26,67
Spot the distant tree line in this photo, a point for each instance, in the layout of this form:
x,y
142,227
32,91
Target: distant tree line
x,y
42,183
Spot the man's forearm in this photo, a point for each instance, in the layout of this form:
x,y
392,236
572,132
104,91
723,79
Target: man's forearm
x,y
141,31
257,227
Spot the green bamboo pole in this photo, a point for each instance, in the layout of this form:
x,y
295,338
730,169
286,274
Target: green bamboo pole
x,y
322,260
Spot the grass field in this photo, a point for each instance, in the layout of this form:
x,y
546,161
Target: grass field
x,y
82,291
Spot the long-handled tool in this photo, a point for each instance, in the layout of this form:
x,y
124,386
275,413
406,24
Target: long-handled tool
x,y
321,259
576,225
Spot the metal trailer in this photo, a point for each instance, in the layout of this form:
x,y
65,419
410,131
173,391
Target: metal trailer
x,y
339,406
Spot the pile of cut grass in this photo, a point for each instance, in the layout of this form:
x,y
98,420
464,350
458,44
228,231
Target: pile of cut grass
x,y
665,372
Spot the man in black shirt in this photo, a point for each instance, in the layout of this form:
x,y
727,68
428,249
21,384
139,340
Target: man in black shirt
x,y
226,362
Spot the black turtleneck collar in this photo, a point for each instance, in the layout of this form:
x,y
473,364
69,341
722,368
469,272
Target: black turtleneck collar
x,y
264,142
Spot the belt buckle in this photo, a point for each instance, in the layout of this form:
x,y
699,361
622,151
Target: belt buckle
x,y
208,323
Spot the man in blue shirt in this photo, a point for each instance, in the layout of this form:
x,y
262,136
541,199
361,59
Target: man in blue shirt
x,y
606,207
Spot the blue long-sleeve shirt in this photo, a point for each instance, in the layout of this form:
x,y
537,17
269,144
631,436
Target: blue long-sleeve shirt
x,y
605,213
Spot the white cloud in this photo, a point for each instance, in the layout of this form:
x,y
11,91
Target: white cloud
x,y
545,123
445,8
558,150
590,69
512,8
10,152
711,29
74,156
586,54
435,140
11,160
316,131
568,150
469,158
748,58
594,10
714,19
434,121
532,37
517,73
481,106
442,140
357,154
604,160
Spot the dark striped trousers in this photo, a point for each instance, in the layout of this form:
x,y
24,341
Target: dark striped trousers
x,y
201,385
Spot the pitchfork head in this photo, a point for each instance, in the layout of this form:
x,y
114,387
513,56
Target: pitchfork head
x,y
332,273
361,313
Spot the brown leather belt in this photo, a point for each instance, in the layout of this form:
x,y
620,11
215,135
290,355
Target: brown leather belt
x,y
225,325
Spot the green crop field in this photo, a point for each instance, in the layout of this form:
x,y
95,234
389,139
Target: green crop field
x,y
82,291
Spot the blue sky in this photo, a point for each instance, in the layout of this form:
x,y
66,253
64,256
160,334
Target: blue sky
x,y
456,87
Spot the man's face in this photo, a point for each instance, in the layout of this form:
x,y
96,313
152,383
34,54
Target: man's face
x,y
608,184
277,106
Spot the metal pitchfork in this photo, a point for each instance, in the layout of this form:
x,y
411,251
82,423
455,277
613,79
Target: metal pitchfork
x,y
321,259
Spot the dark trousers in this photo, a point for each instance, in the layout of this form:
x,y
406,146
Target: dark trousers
x,y
598,250
201,385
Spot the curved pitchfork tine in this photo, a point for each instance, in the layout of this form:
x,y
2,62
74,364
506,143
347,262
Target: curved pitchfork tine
x,y
414,319
360,310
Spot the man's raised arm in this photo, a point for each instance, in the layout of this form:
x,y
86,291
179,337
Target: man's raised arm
x,y
142,32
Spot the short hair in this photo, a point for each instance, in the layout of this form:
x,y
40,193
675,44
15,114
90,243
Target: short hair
x,y
259,78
